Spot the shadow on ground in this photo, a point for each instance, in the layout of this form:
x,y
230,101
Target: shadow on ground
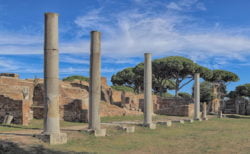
x,y
237,117
7,147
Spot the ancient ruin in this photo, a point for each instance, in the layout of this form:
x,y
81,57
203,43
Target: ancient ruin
x,y
148,104
95,84
51,132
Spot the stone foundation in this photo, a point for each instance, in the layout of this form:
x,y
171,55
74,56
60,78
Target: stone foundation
x,y
55,138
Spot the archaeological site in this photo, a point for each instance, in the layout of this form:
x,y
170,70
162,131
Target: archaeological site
x,y
151,102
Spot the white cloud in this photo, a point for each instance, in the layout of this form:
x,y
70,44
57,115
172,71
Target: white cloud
x,y
71,70
7,64
130,33
186,5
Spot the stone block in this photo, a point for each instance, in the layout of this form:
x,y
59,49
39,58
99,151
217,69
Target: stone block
x,y
167,123
128,129
150,126
100,132
54,138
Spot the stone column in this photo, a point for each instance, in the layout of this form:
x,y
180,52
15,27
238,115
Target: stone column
x,y
148,103
51,81
197,96
95,84
204,111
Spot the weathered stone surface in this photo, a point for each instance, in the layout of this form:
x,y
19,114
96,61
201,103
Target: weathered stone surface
x,y
100,132
128,129
7,119
150,126
54,138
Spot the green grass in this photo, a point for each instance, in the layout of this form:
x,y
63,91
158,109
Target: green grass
x,y
35,124
227,135
213,136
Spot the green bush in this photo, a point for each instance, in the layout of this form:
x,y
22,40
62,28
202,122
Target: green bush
x,y
123,88
76,77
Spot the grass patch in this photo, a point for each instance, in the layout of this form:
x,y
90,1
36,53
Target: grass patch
x,y
226,135
213,136
35,124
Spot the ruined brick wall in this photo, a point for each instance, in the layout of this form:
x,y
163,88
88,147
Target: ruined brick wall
x,y
175,107
74,101
240,105
71,94
19,109
16,99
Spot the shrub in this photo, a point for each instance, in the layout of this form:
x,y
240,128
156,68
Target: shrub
x,y
76,77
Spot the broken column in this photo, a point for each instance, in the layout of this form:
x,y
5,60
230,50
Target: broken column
x,y
52,132
95,84
220,114
148,103
204,111
197,96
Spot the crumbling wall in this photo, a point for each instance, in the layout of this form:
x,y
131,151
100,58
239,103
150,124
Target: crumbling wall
x,y
175,106
25,99
16,98
19,109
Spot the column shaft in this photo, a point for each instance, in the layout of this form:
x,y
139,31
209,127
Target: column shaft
x,y
95,80
197,96
148,106
51,74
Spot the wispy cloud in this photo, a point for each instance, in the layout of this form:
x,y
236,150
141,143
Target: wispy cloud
x,y
126,33
186,5
73,60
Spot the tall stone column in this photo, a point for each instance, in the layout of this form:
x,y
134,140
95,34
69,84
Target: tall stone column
x,y
95,84
51,81
148,103
197,96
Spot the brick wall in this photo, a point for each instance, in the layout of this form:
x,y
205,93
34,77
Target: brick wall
x,y
19,109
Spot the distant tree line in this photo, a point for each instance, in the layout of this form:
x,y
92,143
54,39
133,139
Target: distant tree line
x,y
172,73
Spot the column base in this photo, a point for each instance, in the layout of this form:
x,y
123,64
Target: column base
x,y
150,126
189,120
54,138
167,123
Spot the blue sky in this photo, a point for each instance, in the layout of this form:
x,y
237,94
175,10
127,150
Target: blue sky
x,y
213,33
